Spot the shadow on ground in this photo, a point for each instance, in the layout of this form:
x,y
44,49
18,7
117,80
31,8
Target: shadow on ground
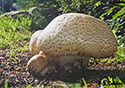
x,y
92,76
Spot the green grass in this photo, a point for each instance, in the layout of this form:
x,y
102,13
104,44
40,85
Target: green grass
x,y
13,32
105,83
112,83
6,84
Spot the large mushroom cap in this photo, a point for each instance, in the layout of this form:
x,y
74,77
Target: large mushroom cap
x,y
67,38
33,47
75,34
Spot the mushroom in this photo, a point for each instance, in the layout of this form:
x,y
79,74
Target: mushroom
x,y
68,37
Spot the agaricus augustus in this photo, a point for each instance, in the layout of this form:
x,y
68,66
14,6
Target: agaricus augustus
x,y
70,37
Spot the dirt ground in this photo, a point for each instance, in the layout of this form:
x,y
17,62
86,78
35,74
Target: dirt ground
x,y
16,74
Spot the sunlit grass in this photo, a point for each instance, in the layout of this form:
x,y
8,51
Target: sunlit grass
x,y
6,84
13,33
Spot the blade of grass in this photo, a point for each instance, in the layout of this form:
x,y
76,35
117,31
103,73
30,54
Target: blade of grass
x,y
29,86
84,82
6,84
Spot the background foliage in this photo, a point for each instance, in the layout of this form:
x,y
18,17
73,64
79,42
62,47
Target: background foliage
x,y
112,11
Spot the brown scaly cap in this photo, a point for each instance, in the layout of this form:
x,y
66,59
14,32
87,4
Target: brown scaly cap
x,y
75,34
33,47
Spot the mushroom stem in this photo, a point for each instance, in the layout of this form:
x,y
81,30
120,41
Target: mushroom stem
x,y
66,59
70,59
85,60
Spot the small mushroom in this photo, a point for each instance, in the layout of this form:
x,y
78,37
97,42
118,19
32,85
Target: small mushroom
x,y
37,64
68,37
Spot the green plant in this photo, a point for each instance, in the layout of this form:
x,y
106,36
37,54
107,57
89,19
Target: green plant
x,y
24,22
6,84
29,86
120,55
114,14
84,82
26,4
81,6
105,83
13,32
112,83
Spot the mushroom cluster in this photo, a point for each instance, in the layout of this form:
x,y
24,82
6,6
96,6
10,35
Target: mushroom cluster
x,y
70,37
